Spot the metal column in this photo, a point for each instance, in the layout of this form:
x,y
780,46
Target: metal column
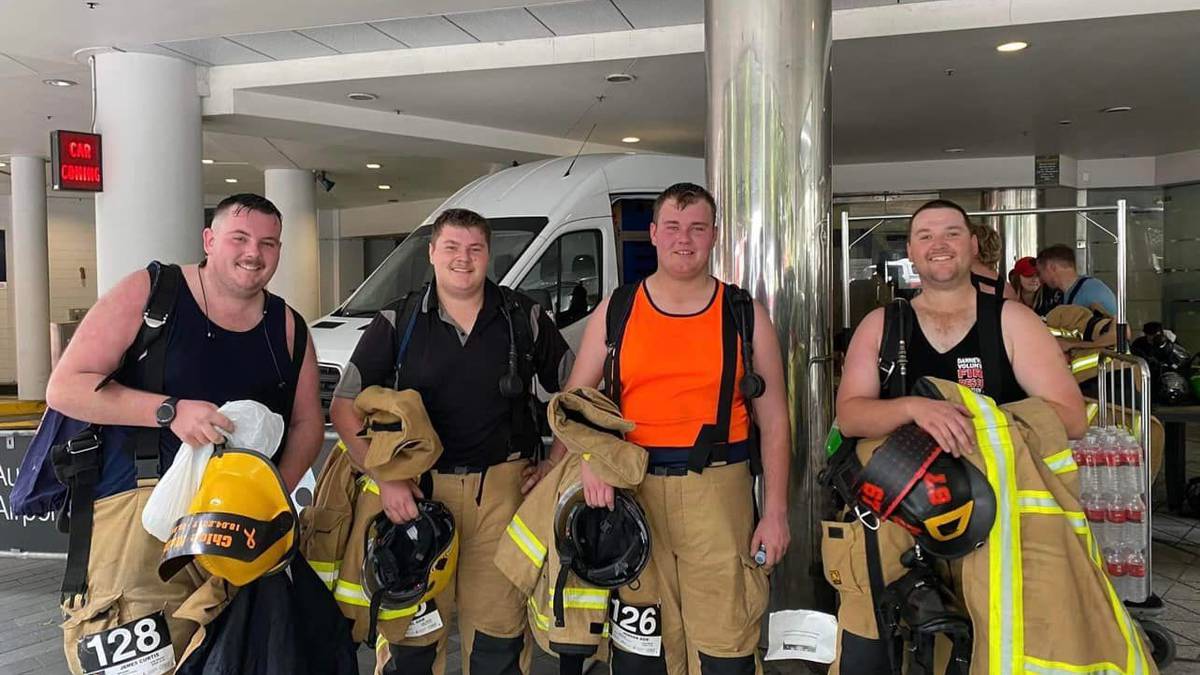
x,y
769,168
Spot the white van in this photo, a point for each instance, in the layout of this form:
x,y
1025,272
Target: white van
x,y
565,231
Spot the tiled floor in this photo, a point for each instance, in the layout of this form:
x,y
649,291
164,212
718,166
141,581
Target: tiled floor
x,y
30,641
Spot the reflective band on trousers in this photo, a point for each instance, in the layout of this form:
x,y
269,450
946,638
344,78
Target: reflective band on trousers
x,y
1006,652
525,540
353,594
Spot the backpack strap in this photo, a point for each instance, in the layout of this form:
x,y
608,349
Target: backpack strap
x,y
77,462
752,384
713,440
620,305
522,420
299,348
1070,300
898,318
406,316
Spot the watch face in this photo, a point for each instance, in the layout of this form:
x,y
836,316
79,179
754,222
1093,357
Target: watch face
x,y
166,413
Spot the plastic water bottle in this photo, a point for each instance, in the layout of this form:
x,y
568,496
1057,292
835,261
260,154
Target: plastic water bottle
x,y
1134,550
1131,460
1114,564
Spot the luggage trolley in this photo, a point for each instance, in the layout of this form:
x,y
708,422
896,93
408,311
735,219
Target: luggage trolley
x,y
1124,397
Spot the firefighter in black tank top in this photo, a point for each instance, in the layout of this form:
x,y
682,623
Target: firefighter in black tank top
x,y
950,326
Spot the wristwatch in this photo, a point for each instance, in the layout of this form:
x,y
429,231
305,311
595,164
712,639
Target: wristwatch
x,y
166,412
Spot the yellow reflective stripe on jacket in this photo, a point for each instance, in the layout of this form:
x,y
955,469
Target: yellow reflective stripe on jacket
x,y
525,540
354,594
583,598
1061,462
540,620
1092,409
369,485
328,571
1042,667
1085,362
1005,586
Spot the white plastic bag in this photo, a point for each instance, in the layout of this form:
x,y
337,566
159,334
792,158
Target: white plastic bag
x,y
255,427
801,634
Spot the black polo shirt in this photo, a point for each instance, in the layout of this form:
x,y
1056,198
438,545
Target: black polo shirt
x,y
457,373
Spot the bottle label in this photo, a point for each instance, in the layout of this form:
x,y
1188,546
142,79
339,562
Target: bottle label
x,y
1116,569
1135,570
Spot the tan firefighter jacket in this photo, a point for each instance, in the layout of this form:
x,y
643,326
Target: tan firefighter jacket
x,y
1036,591
332,538
585,421
1083,324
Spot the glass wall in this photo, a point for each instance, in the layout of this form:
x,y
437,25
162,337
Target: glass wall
x,y
1181,263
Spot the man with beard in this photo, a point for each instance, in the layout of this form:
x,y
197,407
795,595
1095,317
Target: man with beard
x,y
947,342
224,338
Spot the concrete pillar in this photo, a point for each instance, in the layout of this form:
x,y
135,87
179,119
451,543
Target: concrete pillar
x,y
769,168
30,276
297,279
152,207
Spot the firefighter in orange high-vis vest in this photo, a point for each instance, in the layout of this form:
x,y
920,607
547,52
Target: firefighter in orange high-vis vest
x,y
680,355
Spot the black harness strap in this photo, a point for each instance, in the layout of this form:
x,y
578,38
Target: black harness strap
x,y
1079,283
712,443
77,462
884,625
620,305
898,318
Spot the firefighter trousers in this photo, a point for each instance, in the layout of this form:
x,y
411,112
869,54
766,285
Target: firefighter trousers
x,y
488,609
125,600
698,607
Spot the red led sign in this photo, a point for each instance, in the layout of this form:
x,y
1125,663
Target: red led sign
x,y
75,161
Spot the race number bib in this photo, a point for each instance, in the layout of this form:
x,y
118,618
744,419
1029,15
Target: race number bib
x,y
636,630
426,621
140,647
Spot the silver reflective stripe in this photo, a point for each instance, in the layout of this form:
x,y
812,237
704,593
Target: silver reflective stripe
x,y
1077,670
1038,502
1008,526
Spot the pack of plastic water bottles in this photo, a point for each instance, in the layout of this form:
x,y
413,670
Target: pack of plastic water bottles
x,y
1113,495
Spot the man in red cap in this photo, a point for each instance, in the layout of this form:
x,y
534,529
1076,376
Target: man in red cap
x,y
1030,290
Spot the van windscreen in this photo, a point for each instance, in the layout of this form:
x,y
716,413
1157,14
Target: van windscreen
x,y
407,268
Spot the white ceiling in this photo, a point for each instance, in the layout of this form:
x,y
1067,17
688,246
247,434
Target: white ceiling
x,y
892,99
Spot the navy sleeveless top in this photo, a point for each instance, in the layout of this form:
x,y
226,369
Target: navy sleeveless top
x,y
229,366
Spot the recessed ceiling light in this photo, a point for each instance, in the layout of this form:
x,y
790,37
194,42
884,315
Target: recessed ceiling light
x,y
1117,109
230,180
620,78
631,139
60,83
954,151
385,187
373,165
1064,123
206,161
361,96
2,164
1014,46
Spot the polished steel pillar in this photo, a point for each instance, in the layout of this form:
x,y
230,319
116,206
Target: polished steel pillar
x,y
768,166
1019,233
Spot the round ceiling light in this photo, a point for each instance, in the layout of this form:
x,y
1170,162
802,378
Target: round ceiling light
x,y
620,78
56,82
361,96
230,180
373,165
1117,109
206,161
631,139
1014,46
385,187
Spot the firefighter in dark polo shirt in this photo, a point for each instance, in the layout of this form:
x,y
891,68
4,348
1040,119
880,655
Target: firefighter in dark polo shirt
x,y
471,349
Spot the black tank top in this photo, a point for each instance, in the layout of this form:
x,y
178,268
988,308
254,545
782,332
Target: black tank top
x,y
229,366
963,363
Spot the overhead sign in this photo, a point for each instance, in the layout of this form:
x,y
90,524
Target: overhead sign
x,y
75,161
1046,170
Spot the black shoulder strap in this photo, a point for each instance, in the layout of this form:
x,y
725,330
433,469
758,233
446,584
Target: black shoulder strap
x,y
149,352
712,436
620,304
299,347
1075,289
406,319
988,309
522,327
875,578
898,319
